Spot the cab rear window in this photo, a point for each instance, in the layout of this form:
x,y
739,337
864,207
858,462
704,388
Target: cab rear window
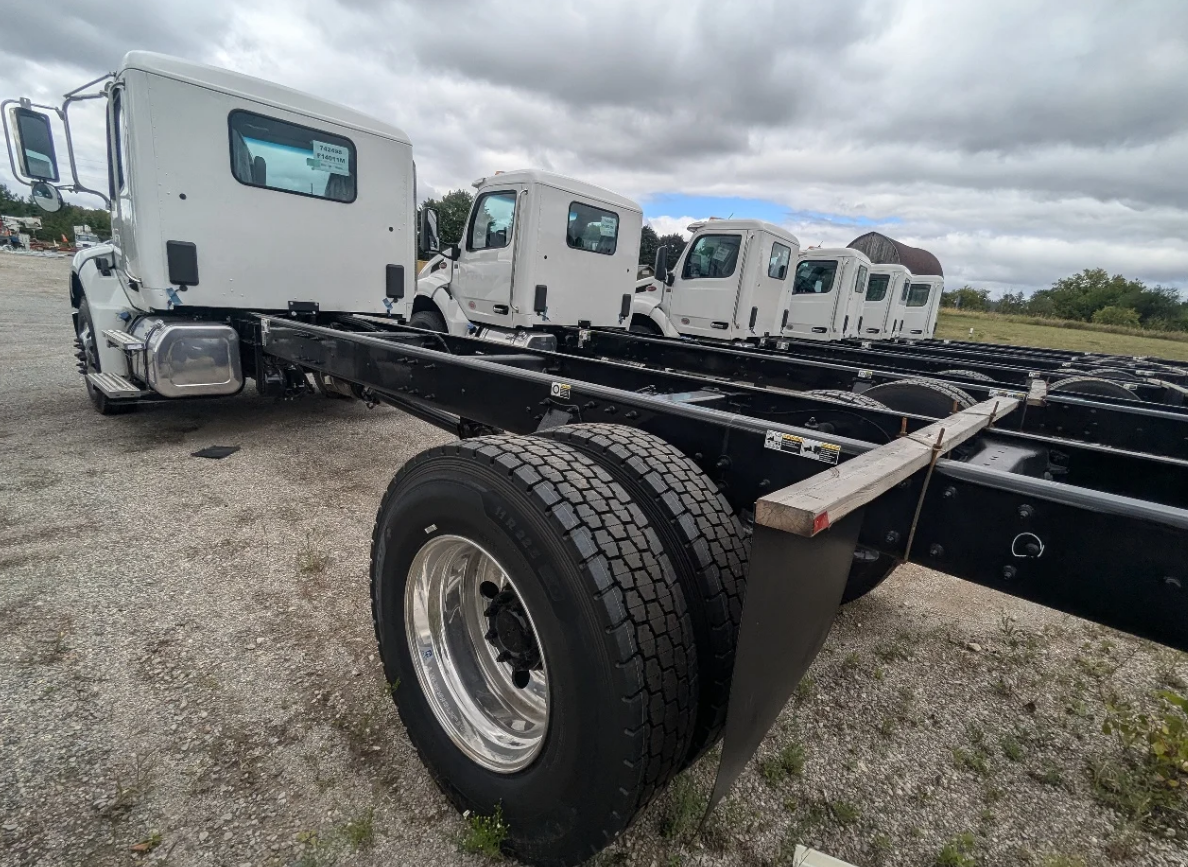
x,y
277,155
592,229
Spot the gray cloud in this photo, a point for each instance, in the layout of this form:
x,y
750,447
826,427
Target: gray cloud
x,y
1020,140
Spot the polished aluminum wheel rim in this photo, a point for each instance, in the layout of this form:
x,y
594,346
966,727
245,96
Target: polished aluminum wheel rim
x,y
493,711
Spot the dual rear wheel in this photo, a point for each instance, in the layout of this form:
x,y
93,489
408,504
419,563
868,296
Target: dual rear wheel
x,y
560,612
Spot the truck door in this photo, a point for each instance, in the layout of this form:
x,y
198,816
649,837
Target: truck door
x,y
916,307
815,304
123,238
703,298
768,293
875,307
857,300
482,282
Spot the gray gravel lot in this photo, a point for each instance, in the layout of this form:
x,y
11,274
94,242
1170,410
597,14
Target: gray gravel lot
x,y
187,664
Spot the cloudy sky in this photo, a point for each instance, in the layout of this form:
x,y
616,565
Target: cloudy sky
x,y
1019,140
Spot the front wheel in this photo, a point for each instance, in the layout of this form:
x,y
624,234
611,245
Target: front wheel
x,y
543,650
87,345
430,320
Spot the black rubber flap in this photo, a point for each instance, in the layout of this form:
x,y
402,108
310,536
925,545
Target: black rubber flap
x,y
794,588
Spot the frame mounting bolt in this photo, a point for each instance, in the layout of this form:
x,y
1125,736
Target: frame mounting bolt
x,y
892,537
1009,572
1025,511
950,492
935,550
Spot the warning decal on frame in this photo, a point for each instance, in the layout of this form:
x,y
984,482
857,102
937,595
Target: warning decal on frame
x,y
819,451
559,390
332,158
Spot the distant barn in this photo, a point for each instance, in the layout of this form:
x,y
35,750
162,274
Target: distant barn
x,y
882,250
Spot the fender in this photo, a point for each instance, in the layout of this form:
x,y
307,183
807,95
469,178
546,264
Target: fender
x,y
647,305
433,289
81,258
111,306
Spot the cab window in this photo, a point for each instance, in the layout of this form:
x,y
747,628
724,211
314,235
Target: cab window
x,y
916,294
860,280
492,222
712,256
777,265
876,287
278,155
814,277
592,229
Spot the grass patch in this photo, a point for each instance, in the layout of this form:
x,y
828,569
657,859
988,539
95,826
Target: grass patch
x,y
789,762
1060,334
485,834
311,559
958,852
806,688
899,649
683,809
359,832
1011,748
844,813
976,760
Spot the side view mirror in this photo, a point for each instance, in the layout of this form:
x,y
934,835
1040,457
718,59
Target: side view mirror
x,y
661,267
46,197
428,239
35,145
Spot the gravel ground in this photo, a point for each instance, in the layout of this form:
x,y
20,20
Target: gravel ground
x,y
188,673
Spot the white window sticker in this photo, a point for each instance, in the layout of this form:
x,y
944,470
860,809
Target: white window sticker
x,y
609,226
722,251
332,158
819,451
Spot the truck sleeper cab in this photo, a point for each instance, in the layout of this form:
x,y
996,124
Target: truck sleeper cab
x,y
727,284
538,248
825,300
880,310
211,175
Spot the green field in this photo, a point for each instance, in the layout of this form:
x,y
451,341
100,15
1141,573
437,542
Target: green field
x,y
1058,334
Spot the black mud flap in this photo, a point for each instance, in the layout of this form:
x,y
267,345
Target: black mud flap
x,y
794,588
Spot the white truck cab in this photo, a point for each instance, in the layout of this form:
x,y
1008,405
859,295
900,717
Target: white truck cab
x,y
920,306
214,180
913,288
881,310
726,285
538,248
825,299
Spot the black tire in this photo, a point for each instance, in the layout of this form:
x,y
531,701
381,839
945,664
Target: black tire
x,y
976,376
609,617
870,569
430,320
86,343
644,325
1093,386
925,397
703,540
850,397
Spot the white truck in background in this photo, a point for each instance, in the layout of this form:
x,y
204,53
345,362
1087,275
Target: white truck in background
x,y
538,248
727,284
748,279
913,290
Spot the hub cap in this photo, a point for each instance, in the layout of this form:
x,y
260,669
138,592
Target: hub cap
x,y
474,648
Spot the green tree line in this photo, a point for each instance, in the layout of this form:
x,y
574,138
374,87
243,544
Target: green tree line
x,y
57,224
1091,296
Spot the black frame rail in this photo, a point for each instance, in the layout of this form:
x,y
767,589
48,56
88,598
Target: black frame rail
x,y
1109,548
